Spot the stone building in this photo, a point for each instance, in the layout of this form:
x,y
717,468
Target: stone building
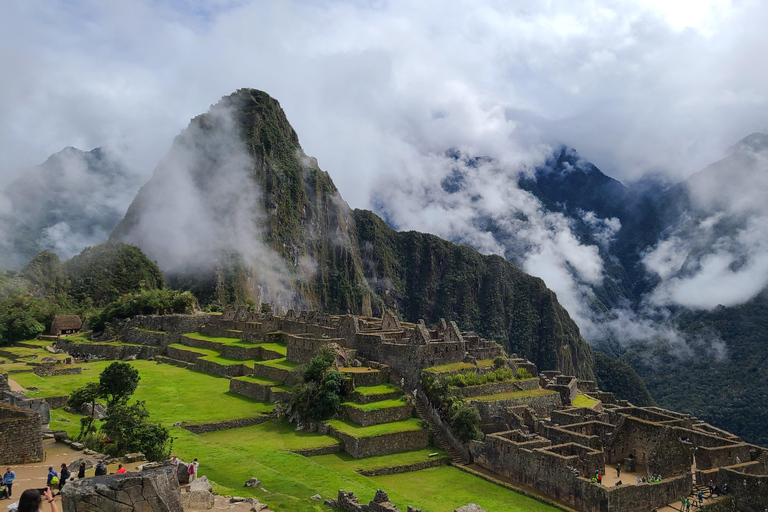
x,y
21,435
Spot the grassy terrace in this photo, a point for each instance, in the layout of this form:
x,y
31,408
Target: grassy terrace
x,y
226,361
359,369
381,389
512,395
225,341
375,406
28,352
203,351
38,343
260,380
274,347
585,401
355,430
279,363
457,367
8,367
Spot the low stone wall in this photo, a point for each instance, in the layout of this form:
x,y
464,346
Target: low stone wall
x,y
109,351
169,323
289,377
176,362
183,355
489,389
51,370
722,504
359,447
251,389
56,402
369,378
196,343
378,416
542,405
202,428
21,435
366,399
242,353
325,450
750,491
223,370
406,468
152,338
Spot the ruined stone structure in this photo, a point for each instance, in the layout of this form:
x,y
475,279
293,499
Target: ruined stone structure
x,y
21,436
533,434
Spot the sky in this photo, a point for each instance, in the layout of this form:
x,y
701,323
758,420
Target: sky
x,y
379,90
634,86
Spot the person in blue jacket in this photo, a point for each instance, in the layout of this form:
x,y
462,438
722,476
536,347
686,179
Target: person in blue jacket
x,y
51,475
8,479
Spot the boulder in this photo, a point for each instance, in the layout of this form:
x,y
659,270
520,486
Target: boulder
x,y
471,507
381,496
316,497
148,491
85,410
181,471
134,457
78,446
201,484
198,500
259,507
74,467
253,482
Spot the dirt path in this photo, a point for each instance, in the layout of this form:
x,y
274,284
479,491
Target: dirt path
x,y
15,386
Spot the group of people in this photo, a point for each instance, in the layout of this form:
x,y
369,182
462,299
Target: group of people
x,y
191,470
651,479
686,503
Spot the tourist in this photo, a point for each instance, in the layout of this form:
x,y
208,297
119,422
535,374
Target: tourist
x,y
51,475
101,469
174,460
682,504
32,501
599,478
618,470
8,479
81,471
701,498
193,470
639,479
687,506
711,486
121,469
65,474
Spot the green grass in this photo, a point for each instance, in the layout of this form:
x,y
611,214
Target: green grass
x,y
279,363
584,401
511,395
228,361
447,488
381,389
260,380
8,367
355,430
282,388
28,352
375,406
450,367
358,369
37,342
203,351
224,340
172,394
342,461
275,347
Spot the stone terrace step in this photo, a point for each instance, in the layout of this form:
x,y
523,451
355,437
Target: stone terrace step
x,y
278,369
364,376
383,439
368,394
376,413
259,388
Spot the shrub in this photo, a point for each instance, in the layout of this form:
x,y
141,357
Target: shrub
x,y
147,302
499,362
465,422
522,373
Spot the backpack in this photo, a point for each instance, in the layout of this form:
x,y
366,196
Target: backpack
x,y
191,469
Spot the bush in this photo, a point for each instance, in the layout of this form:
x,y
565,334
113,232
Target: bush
x,y
499,362
522,373
323,391
465,422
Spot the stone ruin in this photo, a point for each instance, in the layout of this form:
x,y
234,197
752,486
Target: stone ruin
x,y
147,491
21,435
380,503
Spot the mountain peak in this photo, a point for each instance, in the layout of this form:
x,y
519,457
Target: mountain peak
x,y
755,142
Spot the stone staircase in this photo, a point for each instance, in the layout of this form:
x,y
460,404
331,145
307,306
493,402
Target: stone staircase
x,y
456,458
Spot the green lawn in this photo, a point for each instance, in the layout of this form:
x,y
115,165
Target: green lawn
x,y
260,380
38,343
358,369
355,430
279,363
28,352
447,488
172,394
228,361
381,389
375,406
511,394
203,351
450,367
275,347
342,461
205,337
585,401
8,367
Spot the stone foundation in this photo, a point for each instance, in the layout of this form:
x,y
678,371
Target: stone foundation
x,y
21,435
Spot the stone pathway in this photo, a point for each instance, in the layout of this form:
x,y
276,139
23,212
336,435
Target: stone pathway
x,y
15,386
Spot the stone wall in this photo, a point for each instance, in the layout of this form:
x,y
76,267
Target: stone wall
x,y
181,324
750,491
289,377
56,402
406,468
108,351
223,370
644,440
542,405
377,416
38,405
495,388
302,350
153,338
51,370
202,428
257,391
359,447
183,355
21,435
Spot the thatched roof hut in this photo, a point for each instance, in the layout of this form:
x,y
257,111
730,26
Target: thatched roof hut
x,y
67,324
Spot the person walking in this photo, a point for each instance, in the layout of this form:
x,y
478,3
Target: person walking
x,y
8,479
81,471
64,476
51,475
618,470
711,486
701,498
195,465
101,469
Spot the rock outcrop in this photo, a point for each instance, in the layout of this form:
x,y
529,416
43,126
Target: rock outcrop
x,y
148,491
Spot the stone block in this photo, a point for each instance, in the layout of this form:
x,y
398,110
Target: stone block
x,y
201,484
198,500
148,491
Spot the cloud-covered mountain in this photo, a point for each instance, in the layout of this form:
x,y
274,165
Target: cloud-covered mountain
x,y
72,200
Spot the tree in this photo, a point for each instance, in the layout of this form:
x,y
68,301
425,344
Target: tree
x,y
266,308
87,394
117,382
